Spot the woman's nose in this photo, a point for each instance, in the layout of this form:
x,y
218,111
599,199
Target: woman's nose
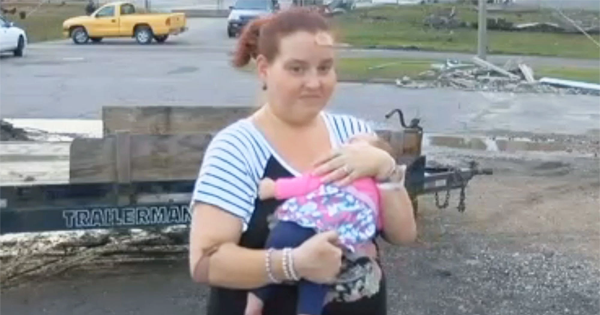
x,y
313,80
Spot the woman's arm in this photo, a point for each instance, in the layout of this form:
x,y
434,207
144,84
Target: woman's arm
x,y
399,226
214,254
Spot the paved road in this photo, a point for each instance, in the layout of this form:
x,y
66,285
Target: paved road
x,y
60,80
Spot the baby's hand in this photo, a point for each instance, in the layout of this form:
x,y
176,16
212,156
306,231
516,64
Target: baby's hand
x,y
266,189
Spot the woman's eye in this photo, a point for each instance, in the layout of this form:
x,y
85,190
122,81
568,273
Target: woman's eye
x,y
296,69
324,69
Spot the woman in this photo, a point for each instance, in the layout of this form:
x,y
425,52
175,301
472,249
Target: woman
x,y
289,135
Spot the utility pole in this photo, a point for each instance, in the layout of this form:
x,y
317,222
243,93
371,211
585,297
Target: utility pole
x,y
482,41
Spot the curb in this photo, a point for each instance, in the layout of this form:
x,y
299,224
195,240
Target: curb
x,y
202,13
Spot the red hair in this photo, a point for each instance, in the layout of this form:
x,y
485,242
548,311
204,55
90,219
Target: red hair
x,y
261,36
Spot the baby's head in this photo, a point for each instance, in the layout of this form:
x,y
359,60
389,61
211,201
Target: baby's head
x,y
373,140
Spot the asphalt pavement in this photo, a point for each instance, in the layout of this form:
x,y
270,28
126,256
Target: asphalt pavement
x,y
62,80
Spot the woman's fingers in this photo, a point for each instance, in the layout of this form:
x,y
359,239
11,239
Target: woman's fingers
x,y
326,158
347,180
335,176
329,166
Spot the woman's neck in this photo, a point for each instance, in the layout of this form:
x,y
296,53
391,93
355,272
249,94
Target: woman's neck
x,y
268,117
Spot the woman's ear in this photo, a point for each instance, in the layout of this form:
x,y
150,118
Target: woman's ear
x,y
262,67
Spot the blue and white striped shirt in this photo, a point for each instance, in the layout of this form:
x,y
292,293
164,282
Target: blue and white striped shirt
x,y
236,158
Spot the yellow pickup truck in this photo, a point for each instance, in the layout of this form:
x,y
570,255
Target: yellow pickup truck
x,y
120,19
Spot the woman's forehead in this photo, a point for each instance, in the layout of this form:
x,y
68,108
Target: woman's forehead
x,y
305,45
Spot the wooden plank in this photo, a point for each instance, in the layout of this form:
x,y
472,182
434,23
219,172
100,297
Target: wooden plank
x,y
164,120
158,157
153,157
123,156
92,160
167,143
490,66
527,72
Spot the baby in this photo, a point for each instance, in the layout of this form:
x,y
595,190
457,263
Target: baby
x,y
311,207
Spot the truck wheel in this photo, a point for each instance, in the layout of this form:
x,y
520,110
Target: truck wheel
x,y
161,38
20,47
96,39
230,33
143,35
79,35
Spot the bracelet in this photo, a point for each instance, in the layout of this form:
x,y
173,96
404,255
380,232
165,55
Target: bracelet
x,y
268,266
290,270
396,179
285,263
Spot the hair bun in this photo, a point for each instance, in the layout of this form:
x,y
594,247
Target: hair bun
x,y
247,46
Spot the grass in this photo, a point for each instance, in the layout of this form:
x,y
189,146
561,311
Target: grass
x,y
45,23
366,69
402,26
363,69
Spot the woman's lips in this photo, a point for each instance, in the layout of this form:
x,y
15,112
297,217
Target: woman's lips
x,y
310,96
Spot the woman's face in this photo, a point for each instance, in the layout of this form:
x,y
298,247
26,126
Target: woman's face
x,y
302,78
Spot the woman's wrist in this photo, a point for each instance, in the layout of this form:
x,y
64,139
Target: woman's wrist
x,y
386,167
280,266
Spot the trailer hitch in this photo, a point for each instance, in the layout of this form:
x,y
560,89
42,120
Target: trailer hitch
x,y
462,178
434,180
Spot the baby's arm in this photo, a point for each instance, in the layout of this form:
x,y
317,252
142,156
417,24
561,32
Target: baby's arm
x,y
285,188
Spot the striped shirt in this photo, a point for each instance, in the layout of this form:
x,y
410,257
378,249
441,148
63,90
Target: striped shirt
x,y
235,161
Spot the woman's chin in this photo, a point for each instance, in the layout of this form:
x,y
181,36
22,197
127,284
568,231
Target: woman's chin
x,y
312,104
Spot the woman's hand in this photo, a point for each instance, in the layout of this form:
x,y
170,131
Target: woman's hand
x,y
353,161
319,259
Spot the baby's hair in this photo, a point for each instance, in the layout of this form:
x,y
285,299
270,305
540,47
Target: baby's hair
x,y
376,141
383,145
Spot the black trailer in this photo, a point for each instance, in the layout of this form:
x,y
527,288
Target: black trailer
x,y
129,202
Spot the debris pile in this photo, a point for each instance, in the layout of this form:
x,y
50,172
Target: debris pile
x,y
445,19
481,75
31,255
9,133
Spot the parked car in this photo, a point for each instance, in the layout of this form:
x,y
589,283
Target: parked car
x,y
12,38
120,19
243,11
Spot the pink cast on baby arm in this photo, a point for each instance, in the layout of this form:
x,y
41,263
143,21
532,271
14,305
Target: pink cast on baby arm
x,y
296,186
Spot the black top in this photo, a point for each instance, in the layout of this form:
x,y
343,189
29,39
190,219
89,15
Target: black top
x,y
283,302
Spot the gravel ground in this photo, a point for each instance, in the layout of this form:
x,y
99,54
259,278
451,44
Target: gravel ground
x,y
528,243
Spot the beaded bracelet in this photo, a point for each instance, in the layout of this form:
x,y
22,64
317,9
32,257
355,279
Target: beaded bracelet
x,y
285,263
292,270
268,266
288,265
